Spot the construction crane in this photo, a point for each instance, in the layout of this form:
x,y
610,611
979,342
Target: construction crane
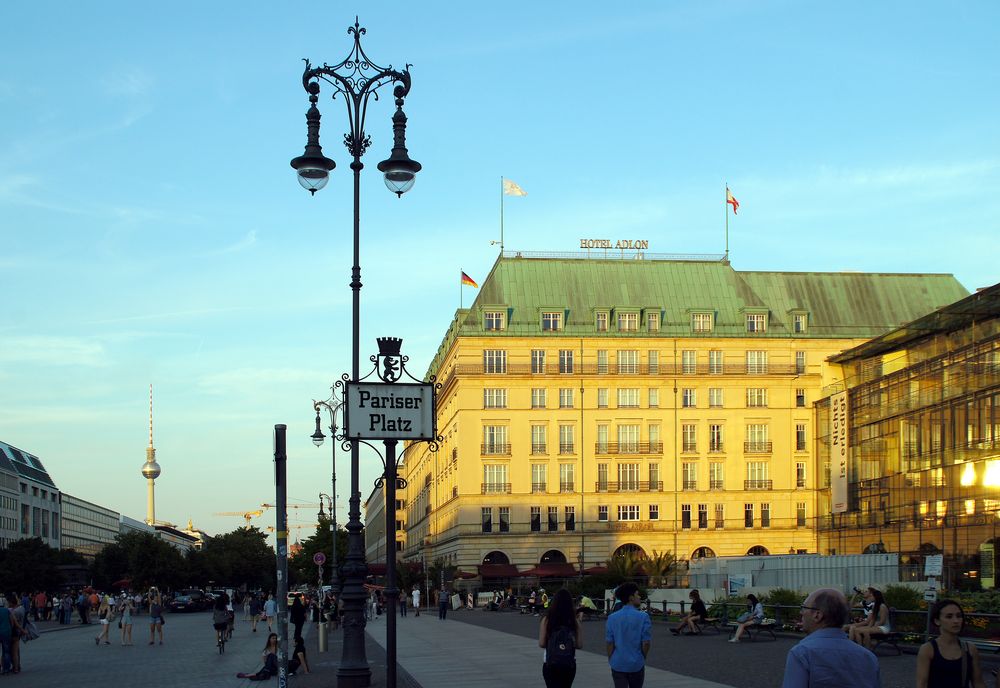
x,y
292,506
247,515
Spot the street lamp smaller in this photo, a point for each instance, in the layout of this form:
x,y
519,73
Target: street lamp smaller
x,y
313,168
318,436
399,170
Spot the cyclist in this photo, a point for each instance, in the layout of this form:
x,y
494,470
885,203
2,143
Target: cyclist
x,y
220,621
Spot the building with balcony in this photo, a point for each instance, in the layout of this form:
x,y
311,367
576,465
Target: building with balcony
x,y
922,461
592,407
29,499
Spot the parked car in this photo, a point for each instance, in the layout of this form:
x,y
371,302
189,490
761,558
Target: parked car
x,y
190,601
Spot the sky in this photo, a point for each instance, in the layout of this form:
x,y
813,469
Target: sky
x,y
153,232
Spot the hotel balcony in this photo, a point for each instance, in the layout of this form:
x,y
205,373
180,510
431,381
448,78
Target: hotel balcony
x,y
628,448
757,447
637,486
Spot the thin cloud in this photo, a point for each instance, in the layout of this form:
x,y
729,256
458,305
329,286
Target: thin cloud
x,y
170,315
132,82
248,241
66,351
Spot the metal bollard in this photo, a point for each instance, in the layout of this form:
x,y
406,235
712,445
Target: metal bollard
x,y
322,635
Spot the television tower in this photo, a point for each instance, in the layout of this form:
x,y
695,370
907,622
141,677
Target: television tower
x,y
150,469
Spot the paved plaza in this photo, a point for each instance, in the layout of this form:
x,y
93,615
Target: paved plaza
x,y
477,648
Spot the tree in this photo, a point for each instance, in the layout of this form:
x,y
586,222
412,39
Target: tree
x,y
658,566
239,559
142,558
439,567
29,565
409,574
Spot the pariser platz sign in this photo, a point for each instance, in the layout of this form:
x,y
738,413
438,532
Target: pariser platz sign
x,y
389,411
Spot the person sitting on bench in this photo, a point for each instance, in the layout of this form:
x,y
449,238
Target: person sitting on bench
x,y
752,617
698,613
878,621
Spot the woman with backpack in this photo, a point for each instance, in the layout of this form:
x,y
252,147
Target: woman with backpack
x,y
559,633
946,661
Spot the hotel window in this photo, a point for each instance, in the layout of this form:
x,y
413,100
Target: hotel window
x,y
494,398
757,437
565,360
690,472
539,443
654,437
800,474
703,516
756,322
800,398
716,438
601,321
539,475
654,477
494,478
493,320
553,519
628,397
654,512
602,361
765,515
654,397
602,513
748,515
799,322
800,514
628,439
566,397
537,361
602,477
628,362
602,439
800,362
701,322
800,437
537,397
494,361
689,433
551,322
686,516
487,518
566,439
569,519
566,477
628,322
756,362
689,362
628,512
653,322
715,476
536,519
495,439
689,398
715,397
628,477
756,397
602,397
715,365
505,519
654,362
757,475
720,516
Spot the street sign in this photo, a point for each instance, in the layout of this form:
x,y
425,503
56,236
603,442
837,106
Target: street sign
x,y
930,595
389,411
319,558
933,564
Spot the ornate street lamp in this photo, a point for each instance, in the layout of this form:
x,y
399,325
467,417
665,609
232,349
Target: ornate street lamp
x,y
356,79
332,405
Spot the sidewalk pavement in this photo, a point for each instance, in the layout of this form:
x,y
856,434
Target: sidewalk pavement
x,y
439,653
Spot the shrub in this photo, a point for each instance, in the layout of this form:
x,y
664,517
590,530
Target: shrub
x,y
903,597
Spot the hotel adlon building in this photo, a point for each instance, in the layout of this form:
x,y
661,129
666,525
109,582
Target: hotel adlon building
x,y
596,406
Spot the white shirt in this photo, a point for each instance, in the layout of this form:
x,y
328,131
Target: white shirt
x,y
416,598
270,608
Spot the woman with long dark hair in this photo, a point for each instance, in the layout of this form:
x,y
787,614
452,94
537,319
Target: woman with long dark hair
x,y
946,661
751,617
559,633
270,667
877,622
698,613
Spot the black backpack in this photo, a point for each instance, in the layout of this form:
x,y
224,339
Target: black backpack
x,y
561,648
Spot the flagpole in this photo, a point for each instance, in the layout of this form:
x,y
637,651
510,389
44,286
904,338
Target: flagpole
x,y
461,290
726,204
501,216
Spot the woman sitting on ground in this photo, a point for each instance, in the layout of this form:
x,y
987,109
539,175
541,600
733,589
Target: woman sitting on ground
x,y
877,622
698,613
752,617
270,667
298,659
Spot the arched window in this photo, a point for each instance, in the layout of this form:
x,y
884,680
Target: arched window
x,y
703,553
496,557
758,551
630,548
553,556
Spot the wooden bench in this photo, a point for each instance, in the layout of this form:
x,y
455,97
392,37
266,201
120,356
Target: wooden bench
x,y
752,631
891,638
709,622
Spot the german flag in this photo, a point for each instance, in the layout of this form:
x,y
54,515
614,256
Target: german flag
x,y
466,280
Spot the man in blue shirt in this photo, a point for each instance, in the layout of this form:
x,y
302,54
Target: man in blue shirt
x,y
826,657
628,633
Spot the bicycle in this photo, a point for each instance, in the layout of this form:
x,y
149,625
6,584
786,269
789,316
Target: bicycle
x,y
221,641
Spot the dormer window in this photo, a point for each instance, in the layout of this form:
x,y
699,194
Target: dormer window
x,y
601,321
494,320
702,322
552,321
628,322
756,322
653,321
800,322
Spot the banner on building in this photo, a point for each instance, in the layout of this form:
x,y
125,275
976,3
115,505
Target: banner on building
x,y
839,452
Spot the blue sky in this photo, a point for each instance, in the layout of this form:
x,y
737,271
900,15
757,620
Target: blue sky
x,y
152,231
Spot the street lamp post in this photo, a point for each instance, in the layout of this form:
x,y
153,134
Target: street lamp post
x,y
332,405
356,78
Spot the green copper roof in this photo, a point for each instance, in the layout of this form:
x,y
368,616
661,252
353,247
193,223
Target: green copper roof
x,y
838,305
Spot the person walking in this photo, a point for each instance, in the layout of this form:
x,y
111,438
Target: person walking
x,y
83,607
560,635
443,605
256,609
402,604
246,606
66,609
9,629
947,661
826,656
297,616
18,613
628,633
125,609
104,615
270,611
155,615
416,601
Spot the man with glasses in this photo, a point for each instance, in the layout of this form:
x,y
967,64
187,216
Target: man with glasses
x,y
826,656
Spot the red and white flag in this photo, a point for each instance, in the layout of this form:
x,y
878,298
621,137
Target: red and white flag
x,y
731,200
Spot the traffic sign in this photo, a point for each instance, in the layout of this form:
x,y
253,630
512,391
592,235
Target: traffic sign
x,y
930,595
319,558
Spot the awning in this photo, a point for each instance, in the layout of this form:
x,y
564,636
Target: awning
x,y
552,570
498,570
464,574
596,570
376,569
